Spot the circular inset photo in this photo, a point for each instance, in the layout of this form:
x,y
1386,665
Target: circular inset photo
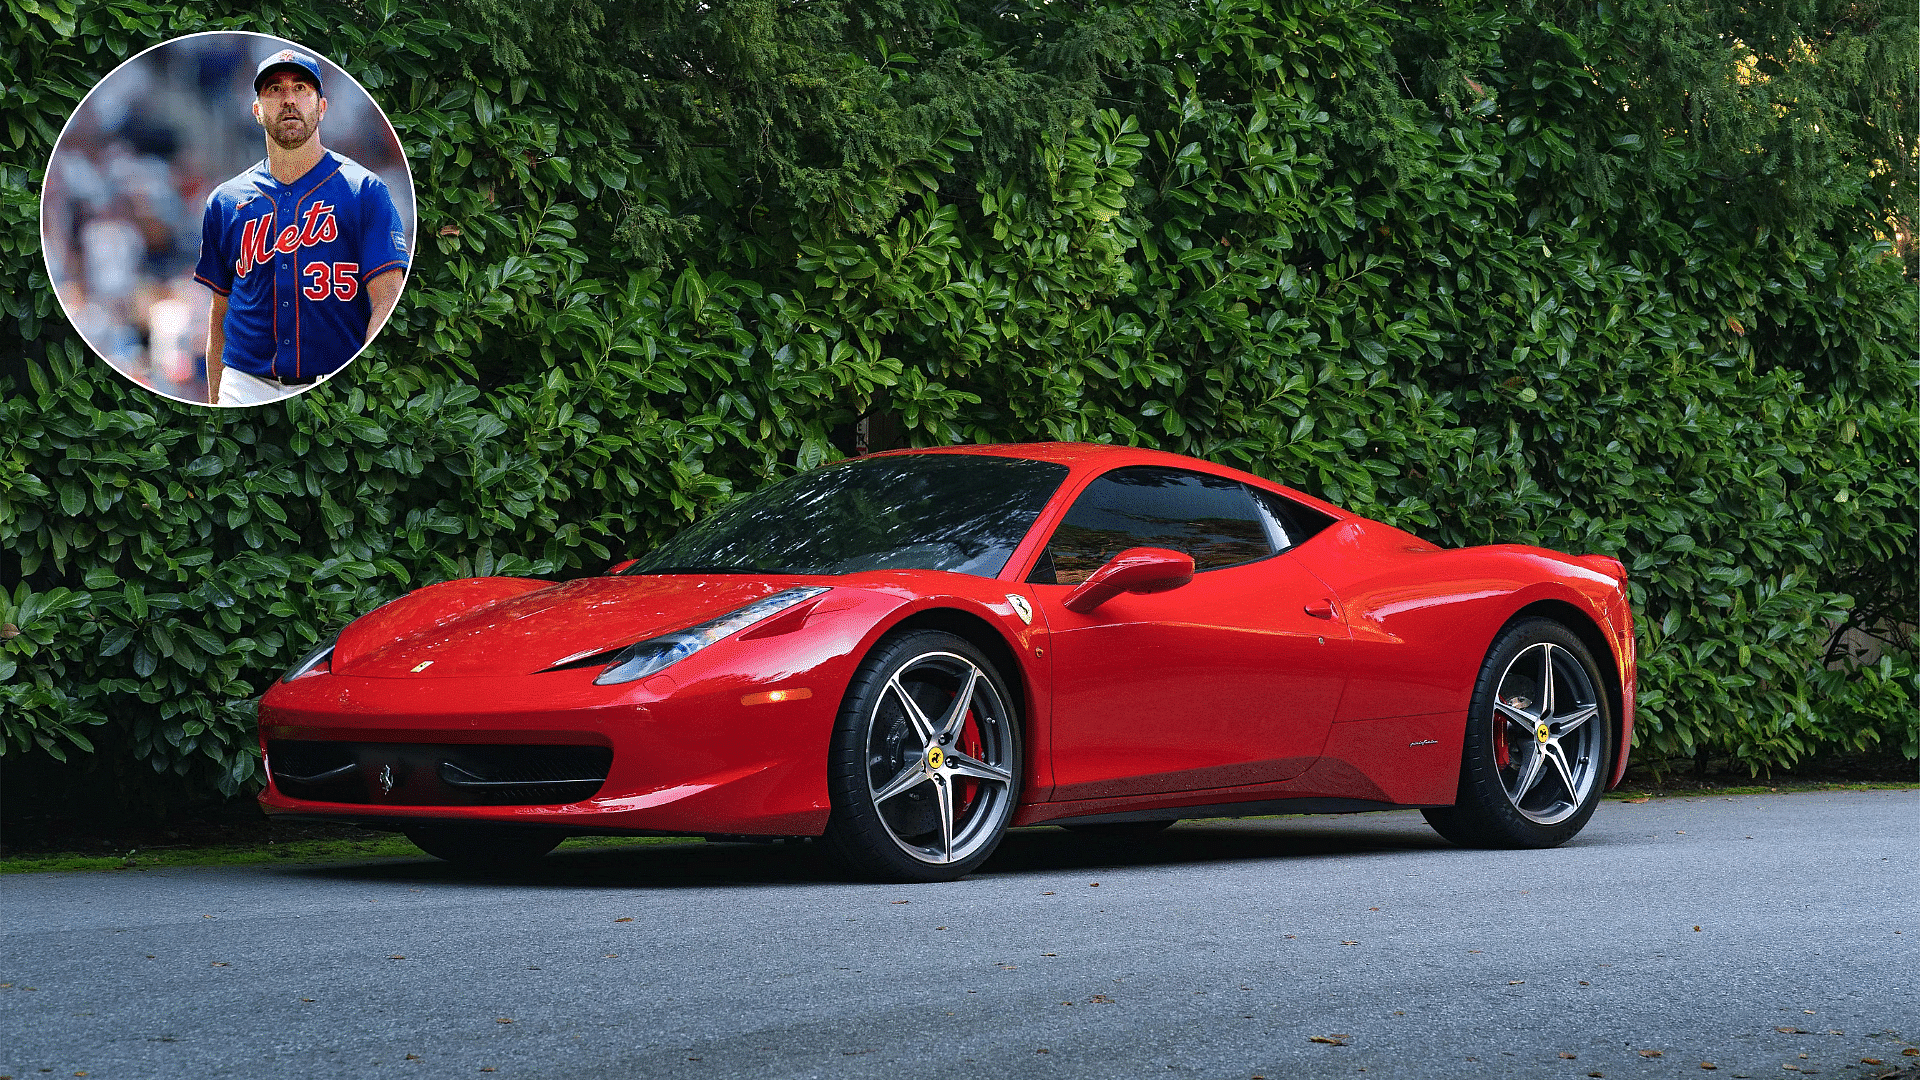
x,y
227,218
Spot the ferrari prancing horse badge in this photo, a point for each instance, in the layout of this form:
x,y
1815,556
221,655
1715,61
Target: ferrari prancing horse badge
x,y
1021,607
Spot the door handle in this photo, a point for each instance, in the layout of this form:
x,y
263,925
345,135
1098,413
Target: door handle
x,y
1320,609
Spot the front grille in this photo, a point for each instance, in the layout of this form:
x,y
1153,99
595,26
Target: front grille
x,y
425,774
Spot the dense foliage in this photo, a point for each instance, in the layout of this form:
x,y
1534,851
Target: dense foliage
x,y
1615,278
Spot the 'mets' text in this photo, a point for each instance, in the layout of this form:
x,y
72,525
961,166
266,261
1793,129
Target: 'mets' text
x,y
258,242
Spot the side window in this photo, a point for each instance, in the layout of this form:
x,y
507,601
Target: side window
x,y
1289,523
1214,520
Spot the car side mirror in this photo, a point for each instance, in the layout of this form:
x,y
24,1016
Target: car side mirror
x,y
622,565
1135,570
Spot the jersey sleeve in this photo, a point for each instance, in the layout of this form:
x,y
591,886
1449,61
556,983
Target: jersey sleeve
x,y
215,269
383,237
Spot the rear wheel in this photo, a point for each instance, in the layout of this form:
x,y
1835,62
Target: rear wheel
x,y
1537,743
925,764
490,847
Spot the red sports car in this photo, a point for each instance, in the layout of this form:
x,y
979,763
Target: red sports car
x,y
906,654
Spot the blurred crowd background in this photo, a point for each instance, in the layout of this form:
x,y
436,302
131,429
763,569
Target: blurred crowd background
x,y
128,183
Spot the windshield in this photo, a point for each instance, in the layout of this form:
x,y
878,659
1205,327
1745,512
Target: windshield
x,y
959,512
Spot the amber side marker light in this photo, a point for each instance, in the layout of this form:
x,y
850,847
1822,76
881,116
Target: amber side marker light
x,y
772,697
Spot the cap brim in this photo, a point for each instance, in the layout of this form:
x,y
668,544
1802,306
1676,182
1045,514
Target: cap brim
x,y
299,68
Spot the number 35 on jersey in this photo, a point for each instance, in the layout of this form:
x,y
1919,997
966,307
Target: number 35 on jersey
x,y
339,278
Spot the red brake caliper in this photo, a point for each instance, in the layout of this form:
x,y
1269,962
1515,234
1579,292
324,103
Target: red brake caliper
x,y
969,744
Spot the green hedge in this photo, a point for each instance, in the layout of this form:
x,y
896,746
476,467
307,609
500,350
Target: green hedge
x,y
1606,282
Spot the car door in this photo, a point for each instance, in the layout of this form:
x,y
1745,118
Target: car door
x,y
1225,681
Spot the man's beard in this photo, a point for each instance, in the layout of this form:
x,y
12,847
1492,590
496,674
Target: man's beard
x,y
293,137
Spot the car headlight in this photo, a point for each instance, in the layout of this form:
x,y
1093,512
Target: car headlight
x,y
639,660
313,659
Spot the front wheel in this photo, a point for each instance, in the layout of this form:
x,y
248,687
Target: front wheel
x,y
925,763
1536,748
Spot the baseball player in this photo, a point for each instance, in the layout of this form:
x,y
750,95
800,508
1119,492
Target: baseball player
x,y
304,252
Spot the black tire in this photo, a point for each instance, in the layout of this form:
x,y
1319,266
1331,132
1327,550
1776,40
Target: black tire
x,y
1122,830
484,847
1534,764
908,753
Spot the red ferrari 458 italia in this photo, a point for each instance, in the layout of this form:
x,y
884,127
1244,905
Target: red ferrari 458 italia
x,y
908,653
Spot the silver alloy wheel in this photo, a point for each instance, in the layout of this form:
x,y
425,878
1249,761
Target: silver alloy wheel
x,y
939,758
1547,748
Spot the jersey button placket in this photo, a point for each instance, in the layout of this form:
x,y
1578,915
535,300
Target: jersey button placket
x,y
288,284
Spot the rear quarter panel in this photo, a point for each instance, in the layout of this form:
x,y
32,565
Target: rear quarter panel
x,y
1422,618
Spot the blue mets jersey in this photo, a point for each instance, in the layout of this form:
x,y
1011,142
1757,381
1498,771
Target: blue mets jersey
x,y
292,259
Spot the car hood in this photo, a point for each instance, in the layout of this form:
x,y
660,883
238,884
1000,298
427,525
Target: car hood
x,y
536,630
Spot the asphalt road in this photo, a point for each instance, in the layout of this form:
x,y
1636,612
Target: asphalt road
x,y
1771,935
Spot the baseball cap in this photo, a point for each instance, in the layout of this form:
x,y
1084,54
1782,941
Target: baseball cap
x,y
288,58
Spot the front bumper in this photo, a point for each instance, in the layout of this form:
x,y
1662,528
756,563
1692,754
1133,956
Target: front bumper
x,y
681,752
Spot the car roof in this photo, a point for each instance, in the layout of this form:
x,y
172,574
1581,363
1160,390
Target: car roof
x,y
1099,457
1064,453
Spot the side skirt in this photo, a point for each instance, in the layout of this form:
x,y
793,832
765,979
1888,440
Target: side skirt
x,y
1264,808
